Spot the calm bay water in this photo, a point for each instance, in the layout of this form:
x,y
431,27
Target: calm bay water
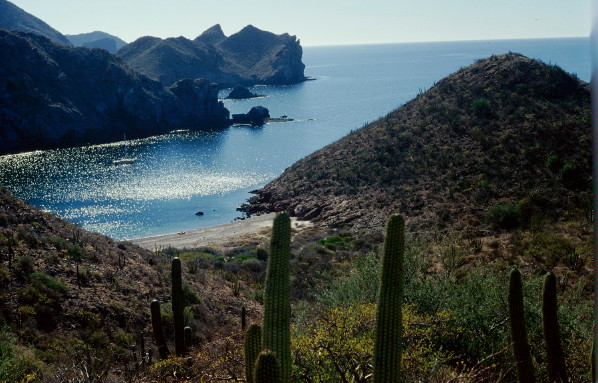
x,y
177,175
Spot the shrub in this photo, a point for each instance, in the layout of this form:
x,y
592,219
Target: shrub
x,y
339,345
22,266
18,363
505,216
481,107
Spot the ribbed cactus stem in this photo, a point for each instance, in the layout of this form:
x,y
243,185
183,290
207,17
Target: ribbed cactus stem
x,y
188,336
243,318
267,369
177,307
276,332
253,346
158,330
557,370
521,350
387,347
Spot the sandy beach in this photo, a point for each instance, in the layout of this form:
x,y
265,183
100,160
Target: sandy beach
x,y
238,233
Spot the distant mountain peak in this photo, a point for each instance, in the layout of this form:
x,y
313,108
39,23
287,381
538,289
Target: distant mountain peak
x,y
13,18
97,39
212,35
250,56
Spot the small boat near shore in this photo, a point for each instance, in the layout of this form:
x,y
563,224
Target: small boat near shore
x,y
124,160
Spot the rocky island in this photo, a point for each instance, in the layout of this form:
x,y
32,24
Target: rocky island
x,y
241,93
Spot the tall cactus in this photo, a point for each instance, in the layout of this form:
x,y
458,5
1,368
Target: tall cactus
x,y
158,330
276,333
267,369
243,318
387,348
178,307
557,370
253,346
521,350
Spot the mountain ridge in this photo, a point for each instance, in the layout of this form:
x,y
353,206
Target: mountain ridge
x,y
248,57
15,18
54,95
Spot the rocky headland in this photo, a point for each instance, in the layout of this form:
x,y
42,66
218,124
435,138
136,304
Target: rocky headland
x,y
54,95
489,147
248,57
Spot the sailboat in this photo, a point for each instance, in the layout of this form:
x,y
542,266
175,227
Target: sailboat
x,y
124,160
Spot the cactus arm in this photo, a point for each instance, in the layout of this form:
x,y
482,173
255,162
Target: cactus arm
x,y
253,346
158,330
557,370
521,350
276,332
387,348
177,307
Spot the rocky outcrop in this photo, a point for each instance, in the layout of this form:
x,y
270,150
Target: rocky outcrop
x,y
256,116
13,18
53,95
97,39
241,93
508,132
249,57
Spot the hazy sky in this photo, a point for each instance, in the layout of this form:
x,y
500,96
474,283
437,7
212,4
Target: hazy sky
x,y
322,22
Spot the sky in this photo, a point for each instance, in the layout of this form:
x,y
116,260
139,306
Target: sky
x,y
322,22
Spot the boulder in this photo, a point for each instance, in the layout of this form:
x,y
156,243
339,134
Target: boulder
x,y
258,115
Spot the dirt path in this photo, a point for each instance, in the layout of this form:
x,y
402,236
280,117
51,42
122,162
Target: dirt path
x,y
254,229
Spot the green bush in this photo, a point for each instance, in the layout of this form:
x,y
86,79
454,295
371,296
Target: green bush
x,y
18,363
505,216
481,107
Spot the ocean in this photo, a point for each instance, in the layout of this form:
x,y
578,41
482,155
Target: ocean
x,y
177,175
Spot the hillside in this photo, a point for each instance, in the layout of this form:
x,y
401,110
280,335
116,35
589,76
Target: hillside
x,y
250,56
496,145
13,18
97,39
54,95
65,291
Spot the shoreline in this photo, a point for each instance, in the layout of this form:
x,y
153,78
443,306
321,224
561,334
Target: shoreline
x,y
238,233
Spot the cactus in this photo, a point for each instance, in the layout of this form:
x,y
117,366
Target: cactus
x,y
188,336
158,330
276,334
267,369
557,370
177,307
243,318
253,345
521,350
387,349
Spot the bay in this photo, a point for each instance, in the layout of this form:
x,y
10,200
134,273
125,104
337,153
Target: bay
x,y
177,175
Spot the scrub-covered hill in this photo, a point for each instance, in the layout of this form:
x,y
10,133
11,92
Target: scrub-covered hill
x,y
496,145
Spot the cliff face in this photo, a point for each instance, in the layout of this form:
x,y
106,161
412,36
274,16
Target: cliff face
x,y
53,95
249,57
507,136
13,18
